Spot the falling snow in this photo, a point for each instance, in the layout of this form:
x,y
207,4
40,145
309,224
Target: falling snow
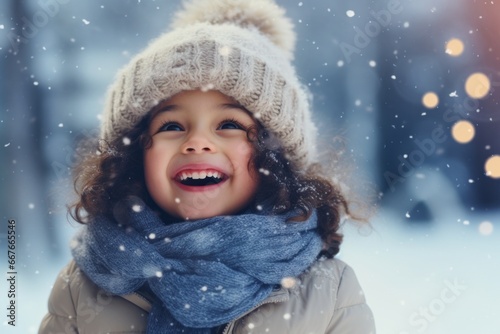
x,y
399,120
264,171
225,51
207,87
288,282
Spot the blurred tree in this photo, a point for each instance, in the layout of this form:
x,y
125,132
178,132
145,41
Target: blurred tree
x,y
24,175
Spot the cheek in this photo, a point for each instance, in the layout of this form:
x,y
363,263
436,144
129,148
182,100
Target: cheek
x,y
148,171
242,153
244,149
154,164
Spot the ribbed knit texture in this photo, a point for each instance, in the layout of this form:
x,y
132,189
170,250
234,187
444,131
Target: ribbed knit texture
x,y
233,54
204,273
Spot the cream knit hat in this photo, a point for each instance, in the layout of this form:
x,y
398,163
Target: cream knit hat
x,y
241,48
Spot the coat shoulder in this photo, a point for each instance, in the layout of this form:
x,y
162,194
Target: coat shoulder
x,y
77,305
326,298
347,291
61,316
350,311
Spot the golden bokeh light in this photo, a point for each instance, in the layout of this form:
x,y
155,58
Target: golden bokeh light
x,y
430,100
492,167
477,85
454,47
463,131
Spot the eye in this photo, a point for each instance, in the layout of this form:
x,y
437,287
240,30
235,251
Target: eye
x,y
170,126
231,124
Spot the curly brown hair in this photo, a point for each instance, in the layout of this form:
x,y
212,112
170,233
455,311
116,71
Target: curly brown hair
x,y
109,171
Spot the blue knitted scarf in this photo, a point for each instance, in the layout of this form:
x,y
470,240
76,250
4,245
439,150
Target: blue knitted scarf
x,y
204,273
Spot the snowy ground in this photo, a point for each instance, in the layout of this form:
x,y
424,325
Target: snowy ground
x,y
437,278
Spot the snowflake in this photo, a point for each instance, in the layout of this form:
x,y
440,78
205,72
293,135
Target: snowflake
x,y
288,282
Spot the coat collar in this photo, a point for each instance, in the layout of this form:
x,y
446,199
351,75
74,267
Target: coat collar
x,y
137,298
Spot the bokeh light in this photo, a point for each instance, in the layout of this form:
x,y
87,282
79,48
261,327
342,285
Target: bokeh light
x,y
492,167
454,47
477,85
463,131
430,100
486,228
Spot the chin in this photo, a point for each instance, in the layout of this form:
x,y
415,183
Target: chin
x,y
197,214
204,215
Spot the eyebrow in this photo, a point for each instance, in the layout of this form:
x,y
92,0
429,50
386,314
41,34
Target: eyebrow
x,y
173,107
160,109
236,106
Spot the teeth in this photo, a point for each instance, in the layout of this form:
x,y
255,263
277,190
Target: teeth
x,y
200,175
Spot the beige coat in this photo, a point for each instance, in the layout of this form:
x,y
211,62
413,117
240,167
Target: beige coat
x,y
326,299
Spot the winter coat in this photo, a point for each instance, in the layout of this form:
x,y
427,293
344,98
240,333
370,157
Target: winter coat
x,y
327,298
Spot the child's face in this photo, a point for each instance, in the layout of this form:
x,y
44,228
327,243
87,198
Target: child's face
x,y
198,163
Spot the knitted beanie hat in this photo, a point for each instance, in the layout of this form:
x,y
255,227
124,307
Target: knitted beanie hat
x,y
241,48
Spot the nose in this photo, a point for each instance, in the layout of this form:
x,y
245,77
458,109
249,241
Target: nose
x,y
198,143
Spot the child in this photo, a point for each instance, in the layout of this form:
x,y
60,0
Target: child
x,y
205,210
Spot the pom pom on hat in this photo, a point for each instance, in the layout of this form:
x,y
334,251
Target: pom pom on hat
x,y
264,15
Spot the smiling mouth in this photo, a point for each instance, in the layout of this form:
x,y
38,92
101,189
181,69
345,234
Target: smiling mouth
x,y
200,179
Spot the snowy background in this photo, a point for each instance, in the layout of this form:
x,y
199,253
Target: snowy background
x,y
432,262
